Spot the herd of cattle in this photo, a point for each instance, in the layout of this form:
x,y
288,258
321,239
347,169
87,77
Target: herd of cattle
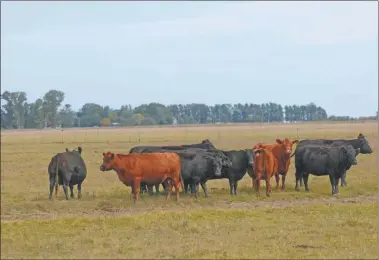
x,y
188,166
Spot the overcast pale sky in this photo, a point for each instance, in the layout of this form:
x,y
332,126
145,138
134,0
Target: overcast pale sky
x,y
115,53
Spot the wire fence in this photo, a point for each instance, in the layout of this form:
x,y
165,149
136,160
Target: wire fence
x,y
233,132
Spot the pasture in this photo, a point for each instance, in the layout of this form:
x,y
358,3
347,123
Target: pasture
x,y
106,224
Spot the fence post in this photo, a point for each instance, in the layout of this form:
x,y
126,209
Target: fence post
x,y
139,137
297,133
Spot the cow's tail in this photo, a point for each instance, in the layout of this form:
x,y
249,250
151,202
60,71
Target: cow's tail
x,y
56,175
293,153
181,180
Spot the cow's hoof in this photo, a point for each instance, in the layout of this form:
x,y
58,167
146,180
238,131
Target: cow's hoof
x,y
268,194
297,188
79,196
50,198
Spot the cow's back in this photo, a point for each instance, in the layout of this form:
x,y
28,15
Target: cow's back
x,y
265,162
74,159
154,164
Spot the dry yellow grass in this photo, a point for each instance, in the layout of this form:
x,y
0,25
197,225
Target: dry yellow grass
x,y
103,223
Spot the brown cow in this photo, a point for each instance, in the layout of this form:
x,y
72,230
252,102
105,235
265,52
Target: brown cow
x,y
265,165
151,168
282,151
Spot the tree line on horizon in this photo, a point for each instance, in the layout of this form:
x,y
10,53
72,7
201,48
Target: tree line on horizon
x,y
50,111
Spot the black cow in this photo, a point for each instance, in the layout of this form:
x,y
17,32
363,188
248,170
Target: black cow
x,y
198,166
323,160
205,144
242,161
67,169
360,143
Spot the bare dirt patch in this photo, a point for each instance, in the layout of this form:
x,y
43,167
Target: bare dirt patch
x,y
108,210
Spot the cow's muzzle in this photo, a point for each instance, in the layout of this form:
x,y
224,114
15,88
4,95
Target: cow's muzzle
x,y
103,168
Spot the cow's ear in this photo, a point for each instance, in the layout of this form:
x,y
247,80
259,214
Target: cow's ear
x,y
103,154
279,141
112,156
80,149
66,150
343,149
295,141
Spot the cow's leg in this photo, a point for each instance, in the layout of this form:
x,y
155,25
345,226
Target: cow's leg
x,y
343,179
204,187
79,190
157,188
253,182
333,183
305,177
235,188
196,188
186,186
284,182
150,190
169,189
143,187
176,183
258,183
232,186
71,190
65,186
52,183
164,185
301,181
336,181
298,177
193,188
132,188
268,185
277,179
136,184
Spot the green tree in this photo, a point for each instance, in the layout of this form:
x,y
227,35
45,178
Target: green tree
x,y
14,109
66,116
52,100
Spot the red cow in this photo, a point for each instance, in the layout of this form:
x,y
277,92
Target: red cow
x,y
265,165
282,151
151,168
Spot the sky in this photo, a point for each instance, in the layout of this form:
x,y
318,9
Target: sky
x,y
117,53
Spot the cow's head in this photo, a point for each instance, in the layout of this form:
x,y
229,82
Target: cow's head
x,y
349,153
363,144
287,145
208,144
219,161
79,151
108,162
250,156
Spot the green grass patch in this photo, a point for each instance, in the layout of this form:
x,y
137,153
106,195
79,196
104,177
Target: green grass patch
x,y
314,231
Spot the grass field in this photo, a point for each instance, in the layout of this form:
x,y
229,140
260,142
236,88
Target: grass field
x,y
105,223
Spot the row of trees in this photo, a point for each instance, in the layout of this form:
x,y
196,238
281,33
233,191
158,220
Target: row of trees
x,y
49,111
